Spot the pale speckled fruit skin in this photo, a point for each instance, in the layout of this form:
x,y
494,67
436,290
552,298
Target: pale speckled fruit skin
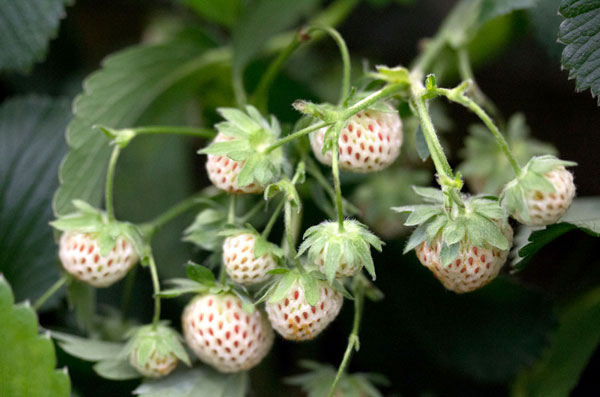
x,y
344,270
223,172
370,142
546,208
224,335
294,319
472,269
156,366
240,263
80,256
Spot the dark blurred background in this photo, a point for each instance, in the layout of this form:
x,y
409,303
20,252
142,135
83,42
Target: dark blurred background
x,y
425,340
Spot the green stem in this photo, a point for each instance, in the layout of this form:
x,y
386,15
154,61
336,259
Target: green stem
x,y
475,108
435,148
289,233
352,339
174,130
156,287
335,170
466,73
261,93
273,218
172,213
110,176
231,212
339,40
51,291
387,91
315,172
296,135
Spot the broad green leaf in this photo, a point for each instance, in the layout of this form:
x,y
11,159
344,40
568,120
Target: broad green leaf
x,y
584,214
196,382
26,27
27,359
116,369
119,95
86,349
200,274
580,32
225,12
31,145
283,286
573,344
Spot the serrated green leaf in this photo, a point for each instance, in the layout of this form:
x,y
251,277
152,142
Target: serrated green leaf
x,y
246,175
26,27
453,233
27,359
204,231
31,144
580,32
118,95
429,194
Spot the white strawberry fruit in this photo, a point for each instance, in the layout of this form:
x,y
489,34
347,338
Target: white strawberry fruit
x,y
472,268
294,319
546,208
80,256
224,335
370,141
223,172
241,263
156,365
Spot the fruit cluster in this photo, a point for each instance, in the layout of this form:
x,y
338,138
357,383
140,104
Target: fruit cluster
x,y
463,239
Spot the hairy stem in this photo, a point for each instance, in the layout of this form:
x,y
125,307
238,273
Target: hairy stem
x,y
252,212
289,232
343,48
435,148
466,73
110,182
156,286
296,135
478,110
335,170
51,291
315,172
352,339
386,92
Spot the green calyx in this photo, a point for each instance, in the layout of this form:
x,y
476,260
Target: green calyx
x,y
201,281
308,281
350,245
252,136
532,178
479,222
159,340
96,223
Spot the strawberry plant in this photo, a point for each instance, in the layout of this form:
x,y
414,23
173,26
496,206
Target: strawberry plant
x,y
238,206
